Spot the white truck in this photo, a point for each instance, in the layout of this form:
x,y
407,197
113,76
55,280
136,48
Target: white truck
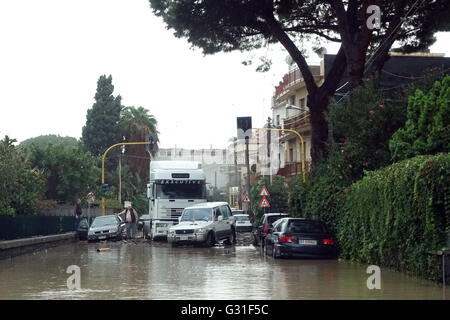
x,y
174,185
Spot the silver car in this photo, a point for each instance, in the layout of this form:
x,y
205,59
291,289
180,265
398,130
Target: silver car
x,y
205,223
106,227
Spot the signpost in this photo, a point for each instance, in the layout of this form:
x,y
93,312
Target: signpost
x,y
264,192
246,199
90,198
264,202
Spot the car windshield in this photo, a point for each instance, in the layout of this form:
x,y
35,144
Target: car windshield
x,y
104,221
301,226
272,219
203,214
145,217
237,212
242,218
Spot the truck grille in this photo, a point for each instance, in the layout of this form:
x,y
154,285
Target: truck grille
x,y
176,212
184,231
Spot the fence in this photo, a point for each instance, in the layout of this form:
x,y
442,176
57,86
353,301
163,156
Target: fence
x,y
24,226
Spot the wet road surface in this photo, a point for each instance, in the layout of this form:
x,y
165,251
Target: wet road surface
x,y
144,270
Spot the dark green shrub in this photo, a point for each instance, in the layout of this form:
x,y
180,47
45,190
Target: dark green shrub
x,y
394,216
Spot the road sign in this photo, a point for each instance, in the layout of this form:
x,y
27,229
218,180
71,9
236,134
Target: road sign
x,y
90,197
246,199
264,192
264,203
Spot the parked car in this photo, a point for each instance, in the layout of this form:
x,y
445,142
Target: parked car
x,y
263,226
141,221
299,237
204,223
83,228
107,227
243,223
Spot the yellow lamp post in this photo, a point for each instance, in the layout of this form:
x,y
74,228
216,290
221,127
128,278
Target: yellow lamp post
x,y
302,143
103,164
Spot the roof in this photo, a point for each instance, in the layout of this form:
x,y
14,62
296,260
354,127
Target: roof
x,y
275,214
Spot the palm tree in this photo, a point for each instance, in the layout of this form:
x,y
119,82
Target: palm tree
x,y
137,125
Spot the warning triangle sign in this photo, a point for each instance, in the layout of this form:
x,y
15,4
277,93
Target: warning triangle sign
x,y
246,199
264,203
264,192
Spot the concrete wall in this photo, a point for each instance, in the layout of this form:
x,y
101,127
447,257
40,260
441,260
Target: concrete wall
x,y
12,248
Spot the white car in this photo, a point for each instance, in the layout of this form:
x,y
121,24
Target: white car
x,y
243,223
204,223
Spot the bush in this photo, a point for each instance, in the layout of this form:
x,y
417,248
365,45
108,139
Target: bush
x,y
393,217
427,129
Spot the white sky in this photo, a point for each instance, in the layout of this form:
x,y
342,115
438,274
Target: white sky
x,y
52,53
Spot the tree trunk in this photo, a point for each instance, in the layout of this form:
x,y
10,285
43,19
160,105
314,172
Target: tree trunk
x,y
319,128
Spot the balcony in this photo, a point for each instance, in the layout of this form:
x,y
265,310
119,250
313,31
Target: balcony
x,y
292,169
298,122
294,77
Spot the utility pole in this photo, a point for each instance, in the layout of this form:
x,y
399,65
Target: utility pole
x,y
236,181
269,165
247,164
119,197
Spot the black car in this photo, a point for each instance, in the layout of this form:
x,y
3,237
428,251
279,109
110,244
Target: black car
x,y
263,226
83,228
299,237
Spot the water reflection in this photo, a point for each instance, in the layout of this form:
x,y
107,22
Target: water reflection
x,y
158,271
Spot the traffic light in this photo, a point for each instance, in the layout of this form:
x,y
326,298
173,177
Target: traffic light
x,y
104,189
153,139
244,127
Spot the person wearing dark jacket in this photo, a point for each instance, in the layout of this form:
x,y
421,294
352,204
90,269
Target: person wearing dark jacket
x,y
131,219
78,212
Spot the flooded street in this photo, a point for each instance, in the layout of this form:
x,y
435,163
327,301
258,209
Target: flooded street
x,y
145,270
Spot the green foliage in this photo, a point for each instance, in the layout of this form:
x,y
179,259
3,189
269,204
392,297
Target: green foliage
x,y
278,198
362,126
427,129
44,140
21,186
394,216
102,128
71,172
137,125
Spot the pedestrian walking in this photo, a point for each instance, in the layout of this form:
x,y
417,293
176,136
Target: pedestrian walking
x,y
78,212
131,219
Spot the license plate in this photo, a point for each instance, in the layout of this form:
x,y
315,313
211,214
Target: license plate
x,y
310,242
184,238
102,237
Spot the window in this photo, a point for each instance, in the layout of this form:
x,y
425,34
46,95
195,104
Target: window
x,y
217,213
291,154
302,102
224,211
278,119
169,153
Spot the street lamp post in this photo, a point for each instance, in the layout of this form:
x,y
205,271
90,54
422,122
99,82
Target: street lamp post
x,y
302,142
103,164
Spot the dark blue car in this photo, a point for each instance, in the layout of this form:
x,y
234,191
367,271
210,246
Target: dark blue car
x,y
299,237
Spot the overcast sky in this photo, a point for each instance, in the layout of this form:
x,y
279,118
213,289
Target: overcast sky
x,y
52,53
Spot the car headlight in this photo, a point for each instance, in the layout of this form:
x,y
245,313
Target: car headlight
x,y
201,230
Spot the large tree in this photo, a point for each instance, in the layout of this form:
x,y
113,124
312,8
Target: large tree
x,y
229,25
136,125
102,121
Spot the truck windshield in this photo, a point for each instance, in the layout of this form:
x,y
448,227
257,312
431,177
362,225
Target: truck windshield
x,y
196,214
180,191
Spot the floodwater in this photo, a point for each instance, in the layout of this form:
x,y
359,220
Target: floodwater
x,y
157,271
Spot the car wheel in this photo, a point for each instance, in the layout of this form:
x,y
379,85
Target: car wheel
x,y
210,240
230,240
275,255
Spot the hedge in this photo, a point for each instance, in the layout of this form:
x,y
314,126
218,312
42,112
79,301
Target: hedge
x,y
394,216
